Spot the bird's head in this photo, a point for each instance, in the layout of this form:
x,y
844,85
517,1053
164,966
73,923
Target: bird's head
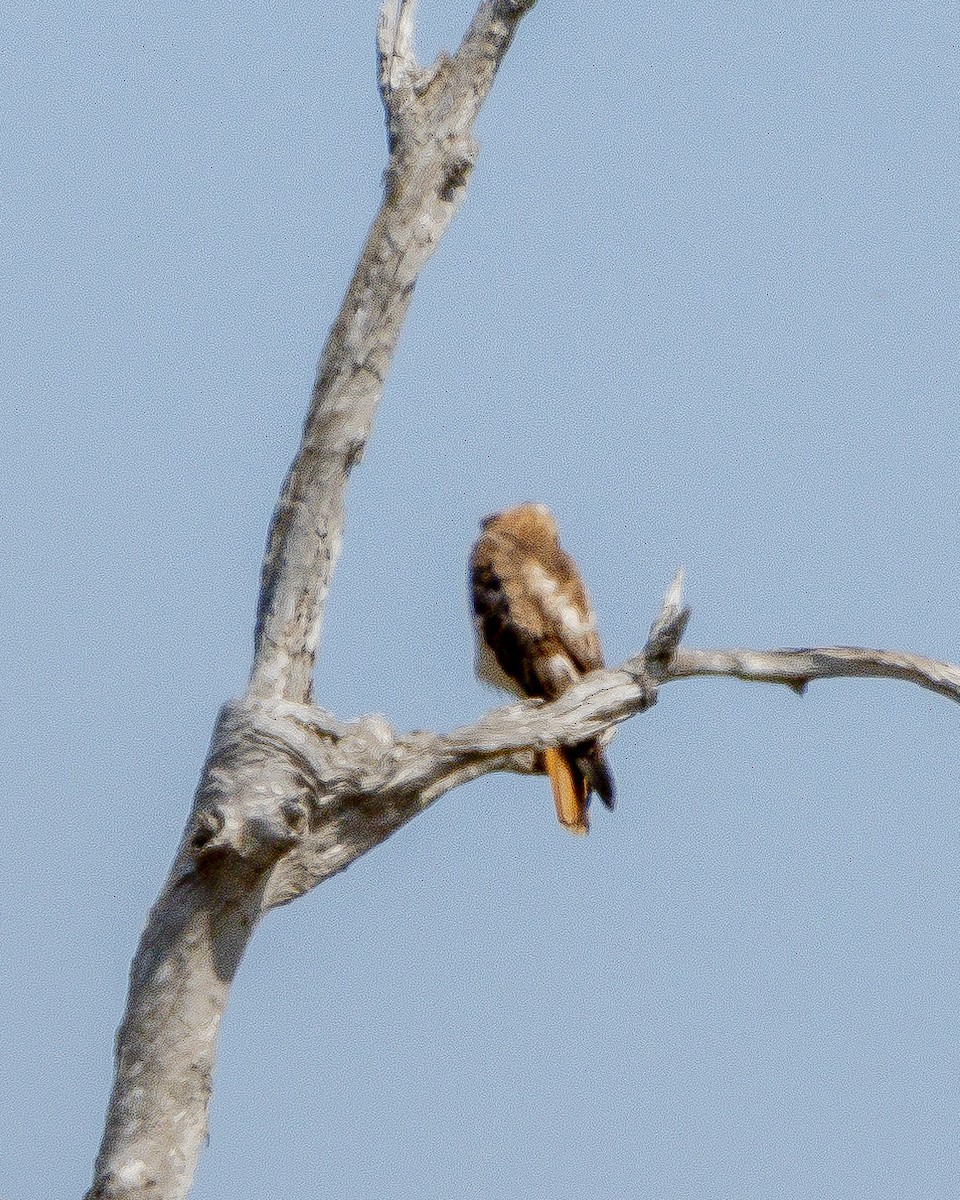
x,y
524,522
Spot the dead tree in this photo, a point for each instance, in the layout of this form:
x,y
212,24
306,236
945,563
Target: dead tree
x,y
289,794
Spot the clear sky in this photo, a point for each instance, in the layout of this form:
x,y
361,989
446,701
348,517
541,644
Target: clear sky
x,y
703,300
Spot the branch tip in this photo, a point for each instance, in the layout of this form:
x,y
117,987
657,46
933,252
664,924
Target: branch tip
x,y
396,62
669,625
673,596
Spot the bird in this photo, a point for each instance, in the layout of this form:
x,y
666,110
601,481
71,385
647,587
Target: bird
x,y
536,636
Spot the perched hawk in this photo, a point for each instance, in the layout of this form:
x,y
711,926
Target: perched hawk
x,y
536,636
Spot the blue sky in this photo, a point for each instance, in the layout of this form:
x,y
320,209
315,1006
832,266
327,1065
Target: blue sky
x,y
702,299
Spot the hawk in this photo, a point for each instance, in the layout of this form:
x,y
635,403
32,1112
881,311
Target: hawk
x,y
536,636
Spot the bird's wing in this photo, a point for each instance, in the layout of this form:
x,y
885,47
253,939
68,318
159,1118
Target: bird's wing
x,y
554,585
533,613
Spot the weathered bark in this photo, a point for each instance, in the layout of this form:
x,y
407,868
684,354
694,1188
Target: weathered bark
x,y
430,116
260,802
289,794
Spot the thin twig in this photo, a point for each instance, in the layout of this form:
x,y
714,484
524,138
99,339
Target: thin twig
x,y
797,668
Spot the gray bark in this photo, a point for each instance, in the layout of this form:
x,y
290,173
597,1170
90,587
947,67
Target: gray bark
x,y
289,794
283,803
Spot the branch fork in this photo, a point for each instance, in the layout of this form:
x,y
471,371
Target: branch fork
x,y
295,790
290,794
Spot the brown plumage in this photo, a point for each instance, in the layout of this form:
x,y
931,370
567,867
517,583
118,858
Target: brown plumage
x,y
536,636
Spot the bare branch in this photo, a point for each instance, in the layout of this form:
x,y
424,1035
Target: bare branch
x,y
290,795
430,117
668,626
396,64
508,739
797,668
363,781
286,800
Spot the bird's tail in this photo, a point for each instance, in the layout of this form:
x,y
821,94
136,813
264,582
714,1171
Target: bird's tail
x,y
569,790
590,761
575,772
